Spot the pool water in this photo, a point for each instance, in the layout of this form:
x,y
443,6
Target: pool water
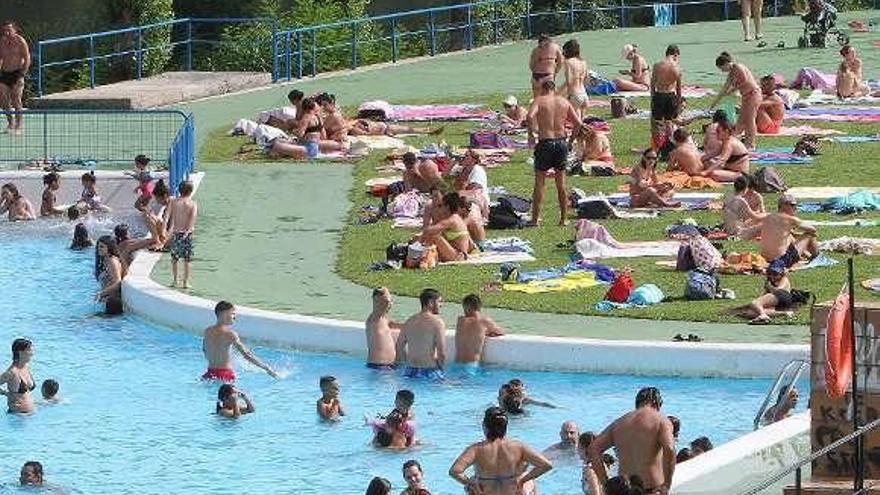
x,y
136,419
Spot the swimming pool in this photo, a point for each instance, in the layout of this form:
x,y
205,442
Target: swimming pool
x,y
135,418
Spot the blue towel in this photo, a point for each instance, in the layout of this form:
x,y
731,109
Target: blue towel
x,y
852,203
662,14
820,261
854,139
809,207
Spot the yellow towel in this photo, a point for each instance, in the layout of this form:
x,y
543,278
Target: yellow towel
x,y
570,281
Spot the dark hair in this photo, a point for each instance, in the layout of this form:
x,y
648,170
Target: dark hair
x,y
222,306
571,48
543,37
429,296
684,454
294,95
160,188
142,160
516,382
36,466
680,135
185,188
9,186
608,459
120,232
719,115
383,438
379,486
410,463
845,49
378,291
326,380
325,98
548,85
649,396
50,387
672,50
585,439
223,393
676,425
453,201
472,301
513,404
783,391
11,23
723,59
406,396
112,250
619,485
701,443
309,104
88,177
769,78
726,125
19,345
50,178
495,423
409,158
80,237
741,183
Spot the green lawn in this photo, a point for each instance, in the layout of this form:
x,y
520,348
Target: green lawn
x,y
361,245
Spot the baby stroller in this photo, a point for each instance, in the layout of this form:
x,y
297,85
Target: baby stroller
x,y
820,22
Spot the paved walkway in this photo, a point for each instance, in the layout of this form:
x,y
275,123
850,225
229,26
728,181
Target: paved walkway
x,y
267,233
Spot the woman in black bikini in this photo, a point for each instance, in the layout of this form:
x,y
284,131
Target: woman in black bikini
x,y
18,379
311,131
733,160
498,461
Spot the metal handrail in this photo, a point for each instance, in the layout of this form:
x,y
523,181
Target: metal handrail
x,y
796,467
801,364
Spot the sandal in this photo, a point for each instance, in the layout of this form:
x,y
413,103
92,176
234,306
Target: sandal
x,y
678,338
761,320
692,337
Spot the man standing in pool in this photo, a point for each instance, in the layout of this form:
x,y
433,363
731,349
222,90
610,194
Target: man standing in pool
x,y
422,341
381,332
217,341
644,442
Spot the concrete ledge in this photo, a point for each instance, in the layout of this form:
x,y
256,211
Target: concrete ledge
x,y
746,461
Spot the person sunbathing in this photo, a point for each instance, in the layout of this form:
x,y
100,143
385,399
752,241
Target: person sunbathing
x,y
422,174
366,127
514,115
591,145
711,143
733,160
644,188
685,156
849,75
311,132
771,110
737,212
450,235
639,72
778,240
284,118
777,298
335,125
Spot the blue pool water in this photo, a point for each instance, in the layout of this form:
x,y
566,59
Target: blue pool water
x,y
136,420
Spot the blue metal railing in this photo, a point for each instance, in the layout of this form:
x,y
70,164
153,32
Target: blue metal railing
x,y
182,154
139,47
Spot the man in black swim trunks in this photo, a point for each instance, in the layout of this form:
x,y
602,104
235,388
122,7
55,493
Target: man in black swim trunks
x,y
15,60
780,239
547,117
545,61
666,86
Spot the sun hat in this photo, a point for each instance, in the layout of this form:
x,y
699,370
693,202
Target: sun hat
x,y
510,101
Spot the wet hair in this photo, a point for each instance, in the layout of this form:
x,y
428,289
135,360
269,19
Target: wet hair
x,y
112,250
185,188
410,463
723,59
472,301
326,380
543,37
19,345
49,388
495,423
50,178
406,396
719,116
512,404
36,467
429,296
120,232
783,391
453,201
548,85
676,425
88,177
741,183
702,443
726,125
585,439
223,393
383,438
9,186
409,158
222,307
379,486
80,237
619,485
295,95
378,291
672,50
649,396
680,135
516,382
684,454
142,160
160,188
571,49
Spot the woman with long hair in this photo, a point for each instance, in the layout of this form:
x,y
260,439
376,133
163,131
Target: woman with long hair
x,y
109,272
740,78
18,379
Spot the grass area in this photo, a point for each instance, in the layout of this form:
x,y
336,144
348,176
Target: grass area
x,y
361,245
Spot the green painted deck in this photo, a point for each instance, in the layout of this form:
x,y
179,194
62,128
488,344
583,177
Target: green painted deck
x,y
267,233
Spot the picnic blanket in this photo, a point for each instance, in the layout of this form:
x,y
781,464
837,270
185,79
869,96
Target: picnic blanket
x,y
461,112
776,156
492,257
681,180
852,139
570,281
836,114
803,130
593,249
687,91
826,192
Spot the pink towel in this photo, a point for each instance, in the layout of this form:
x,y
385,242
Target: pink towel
x,y
810,78
441,112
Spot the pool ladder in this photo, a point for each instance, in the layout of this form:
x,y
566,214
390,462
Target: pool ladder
x,y
787,376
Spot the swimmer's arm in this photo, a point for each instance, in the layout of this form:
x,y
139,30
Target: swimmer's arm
x,y
247,354
541,403
492,328
400,348
602,443
339,408
249,406
540,464
464,461
667,446
440,344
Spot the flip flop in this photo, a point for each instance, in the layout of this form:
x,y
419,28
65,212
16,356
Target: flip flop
x,y
761,320
694,338
678,338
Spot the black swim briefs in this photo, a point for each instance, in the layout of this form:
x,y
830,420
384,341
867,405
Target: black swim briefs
x,y
664,106
551,153
11,78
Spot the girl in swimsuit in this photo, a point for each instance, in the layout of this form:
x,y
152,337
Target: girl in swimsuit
x,y
733,160
777,298
48,207
771,111
644,188
18,379
740,78
109,272
450,235
311,132
14,204
849,75
497,460
589,480
228,405
414,477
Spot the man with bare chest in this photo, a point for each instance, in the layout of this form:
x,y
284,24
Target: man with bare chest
x,y
15,60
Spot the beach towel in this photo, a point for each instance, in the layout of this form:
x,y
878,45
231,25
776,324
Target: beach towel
x,y
507,245
836,114
570,281
585,229
826,192
819,97
592,249
853,203
852,139
778,157
810,78
602,272
491,257
820,261
460,112
803,130
376,142
858,245
644,295
687,91
681,180
855,222
407,223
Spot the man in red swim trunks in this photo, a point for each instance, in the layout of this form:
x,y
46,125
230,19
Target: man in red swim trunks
x,y
217,341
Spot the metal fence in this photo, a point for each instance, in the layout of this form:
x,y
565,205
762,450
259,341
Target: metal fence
x,y
102,138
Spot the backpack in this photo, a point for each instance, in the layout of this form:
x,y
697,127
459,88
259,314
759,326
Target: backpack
x,y
806,146
504,216
516,203
701,286
768,180
620,289
595,208
645,295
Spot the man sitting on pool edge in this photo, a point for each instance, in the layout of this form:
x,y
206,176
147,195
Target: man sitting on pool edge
x,y
218,338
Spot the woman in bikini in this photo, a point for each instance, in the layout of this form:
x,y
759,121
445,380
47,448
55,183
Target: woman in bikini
x,y
450,235
497,460
849,75
311,133
575,75
18,379
109,271
777,298
591,145
771,111
740,78
16,206
644,188
733,160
